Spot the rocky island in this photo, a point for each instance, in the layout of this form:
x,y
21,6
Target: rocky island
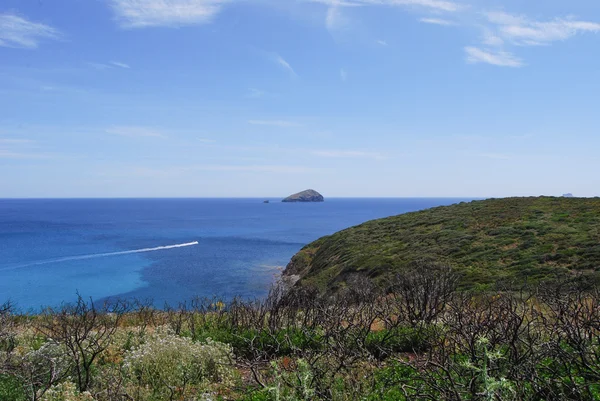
x,y
310,195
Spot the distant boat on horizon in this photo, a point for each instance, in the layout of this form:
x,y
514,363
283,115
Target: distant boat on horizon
x,y
266,201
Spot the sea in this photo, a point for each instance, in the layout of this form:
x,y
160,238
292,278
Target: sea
x,y
165,251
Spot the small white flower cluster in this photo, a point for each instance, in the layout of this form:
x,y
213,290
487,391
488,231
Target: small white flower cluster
x,y
167,363
50,359
66,391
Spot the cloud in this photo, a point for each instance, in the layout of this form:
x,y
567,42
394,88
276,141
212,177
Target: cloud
x,y
144,171
438,5
437,21
502,29
135,132
20,149
343,75
381,42
274,123
99,66
498,58
18,32
11,141
108,66
119,64
282,169
491,39
166,13
5,154
348,154
284,64
254,93
525,32
335,19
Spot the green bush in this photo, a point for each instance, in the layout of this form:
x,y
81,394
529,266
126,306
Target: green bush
x,y
245,342
382,344
11,389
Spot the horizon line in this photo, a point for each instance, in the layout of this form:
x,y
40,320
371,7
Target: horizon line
x,y
282,197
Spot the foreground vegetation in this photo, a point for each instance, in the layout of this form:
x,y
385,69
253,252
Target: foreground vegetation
x,y
424,306
513,240
416,339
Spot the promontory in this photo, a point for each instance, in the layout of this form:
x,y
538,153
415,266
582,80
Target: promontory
x,y
513,242
310,195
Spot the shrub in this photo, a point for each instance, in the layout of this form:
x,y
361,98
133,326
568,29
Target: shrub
x,y
66,391
40,369
11,388
384,343
168,366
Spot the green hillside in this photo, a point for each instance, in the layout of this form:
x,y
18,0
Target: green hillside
x,y
513,240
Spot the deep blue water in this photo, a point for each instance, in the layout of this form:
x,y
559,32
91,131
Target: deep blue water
x,y
50,249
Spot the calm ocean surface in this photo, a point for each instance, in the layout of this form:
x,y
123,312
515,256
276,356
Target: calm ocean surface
x,y
50,249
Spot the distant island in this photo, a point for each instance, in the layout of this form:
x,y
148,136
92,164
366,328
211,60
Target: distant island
x,y
310,195
569,195
513,240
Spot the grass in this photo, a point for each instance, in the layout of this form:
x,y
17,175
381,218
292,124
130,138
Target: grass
x,y
512,241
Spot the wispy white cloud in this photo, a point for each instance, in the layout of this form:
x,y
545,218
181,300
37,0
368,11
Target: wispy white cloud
x,y
343,75
107,66
169,13
119,64
500,30
144,171
20,149
5,154
99,66
284,64
255,93
135,132
381,42
282,169
526,32
437,21
275,123
498,58
439,5
18,32
12,141
335,20
491,39
334,153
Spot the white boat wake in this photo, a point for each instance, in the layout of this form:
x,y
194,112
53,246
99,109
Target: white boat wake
x,y
100,255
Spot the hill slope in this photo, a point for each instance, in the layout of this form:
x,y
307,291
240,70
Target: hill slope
x,y
513,239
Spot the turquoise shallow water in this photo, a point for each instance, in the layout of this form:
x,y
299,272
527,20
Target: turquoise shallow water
x,y
167,250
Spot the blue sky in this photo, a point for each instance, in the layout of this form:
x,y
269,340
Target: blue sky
x,y
212,98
